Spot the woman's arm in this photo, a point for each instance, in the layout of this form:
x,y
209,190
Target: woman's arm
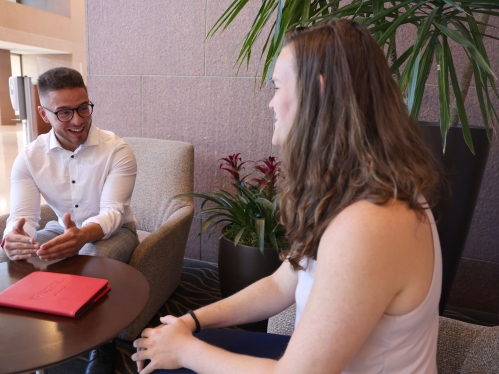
x,y
259,301
368,257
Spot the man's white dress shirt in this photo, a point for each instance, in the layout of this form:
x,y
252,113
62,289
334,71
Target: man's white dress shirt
x,y
94,183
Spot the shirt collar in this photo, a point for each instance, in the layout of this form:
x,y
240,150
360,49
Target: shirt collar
x,y
92,139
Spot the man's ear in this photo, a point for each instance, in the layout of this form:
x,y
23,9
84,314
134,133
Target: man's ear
x,y
43,114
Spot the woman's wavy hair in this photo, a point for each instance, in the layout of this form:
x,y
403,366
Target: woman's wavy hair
x,y
352,138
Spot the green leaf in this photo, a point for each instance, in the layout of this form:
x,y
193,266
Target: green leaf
x,y
305,13
475,33
477,38
479,93
491,110
397,22
386,13
443,90
459,101
468,44
210,220
238,235
202,196
422,77
402,58
265,202
228,16
273,240
411,86
260,233
454,5
421,38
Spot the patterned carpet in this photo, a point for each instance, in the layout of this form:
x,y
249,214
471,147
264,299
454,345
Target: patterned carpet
x,y
199,286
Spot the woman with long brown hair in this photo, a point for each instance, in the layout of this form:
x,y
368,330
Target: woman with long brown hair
x,y
364,267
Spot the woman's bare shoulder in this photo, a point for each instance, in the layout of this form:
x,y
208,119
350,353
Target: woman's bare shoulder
x,y
389,241
364,214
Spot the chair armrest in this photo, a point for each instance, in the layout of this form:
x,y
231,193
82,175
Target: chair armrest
x,y
283,323
159,257
3,223
46,215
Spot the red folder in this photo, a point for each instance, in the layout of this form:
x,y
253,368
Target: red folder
x,y
54,293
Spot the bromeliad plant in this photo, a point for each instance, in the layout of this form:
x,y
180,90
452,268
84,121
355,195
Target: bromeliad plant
x,y
439,23
249,211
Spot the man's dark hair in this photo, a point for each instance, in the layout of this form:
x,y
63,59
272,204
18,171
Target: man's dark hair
x,y
59,78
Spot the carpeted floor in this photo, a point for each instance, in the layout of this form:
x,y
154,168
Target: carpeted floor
x,y
199,286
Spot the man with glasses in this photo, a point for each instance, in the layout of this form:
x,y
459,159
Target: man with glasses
x,y
85,174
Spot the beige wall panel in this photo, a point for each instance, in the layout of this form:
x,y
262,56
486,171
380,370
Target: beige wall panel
x,y
219,116
146,37
117,104
223,48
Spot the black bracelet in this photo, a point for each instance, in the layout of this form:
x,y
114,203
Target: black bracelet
x,y
198,325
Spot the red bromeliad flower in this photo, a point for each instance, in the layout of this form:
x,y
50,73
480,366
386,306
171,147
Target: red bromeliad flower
x,y
270,168
248,210
233,164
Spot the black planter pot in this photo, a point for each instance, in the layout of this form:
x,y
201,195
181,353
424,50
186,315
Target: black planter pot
x,y
464,172
241,265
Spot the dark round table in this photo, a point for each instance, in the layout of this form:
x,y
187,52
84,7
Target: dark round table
x,y
31,341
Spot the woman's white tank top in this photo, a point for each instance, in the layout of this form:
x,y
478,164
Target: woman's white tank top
x,y
398,344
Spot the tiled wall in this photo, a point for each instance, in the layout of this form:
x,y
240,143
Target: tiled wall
x,y
152,73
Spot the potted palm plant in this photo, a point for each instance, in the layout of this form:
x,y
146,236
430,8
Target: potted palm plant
x,y
439,25
247,212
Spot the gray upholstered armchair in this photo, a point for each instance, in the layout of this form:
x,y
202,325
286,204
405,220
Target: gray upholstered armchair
x,y
165,169
463,348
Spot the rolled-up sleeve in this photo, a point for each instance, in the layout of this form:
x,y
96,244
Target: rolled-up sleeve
x,y
117,191
24,198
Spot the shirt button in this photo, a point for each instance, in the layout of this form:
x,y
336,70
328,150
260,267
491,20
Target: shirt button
x,y
72,156
73,182
76,206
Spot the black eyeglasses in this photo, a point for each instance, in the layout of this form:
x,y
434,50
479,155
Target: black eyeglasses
x,y
65,115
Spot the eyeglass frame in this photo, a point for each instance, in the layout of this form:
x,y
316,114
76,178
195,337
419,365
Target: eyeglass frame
x,y
72,111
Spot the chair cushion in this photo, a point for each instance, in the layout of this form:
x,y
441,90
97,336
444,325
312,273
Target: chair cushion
x,y
142,235
464,348
483,357
284,322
